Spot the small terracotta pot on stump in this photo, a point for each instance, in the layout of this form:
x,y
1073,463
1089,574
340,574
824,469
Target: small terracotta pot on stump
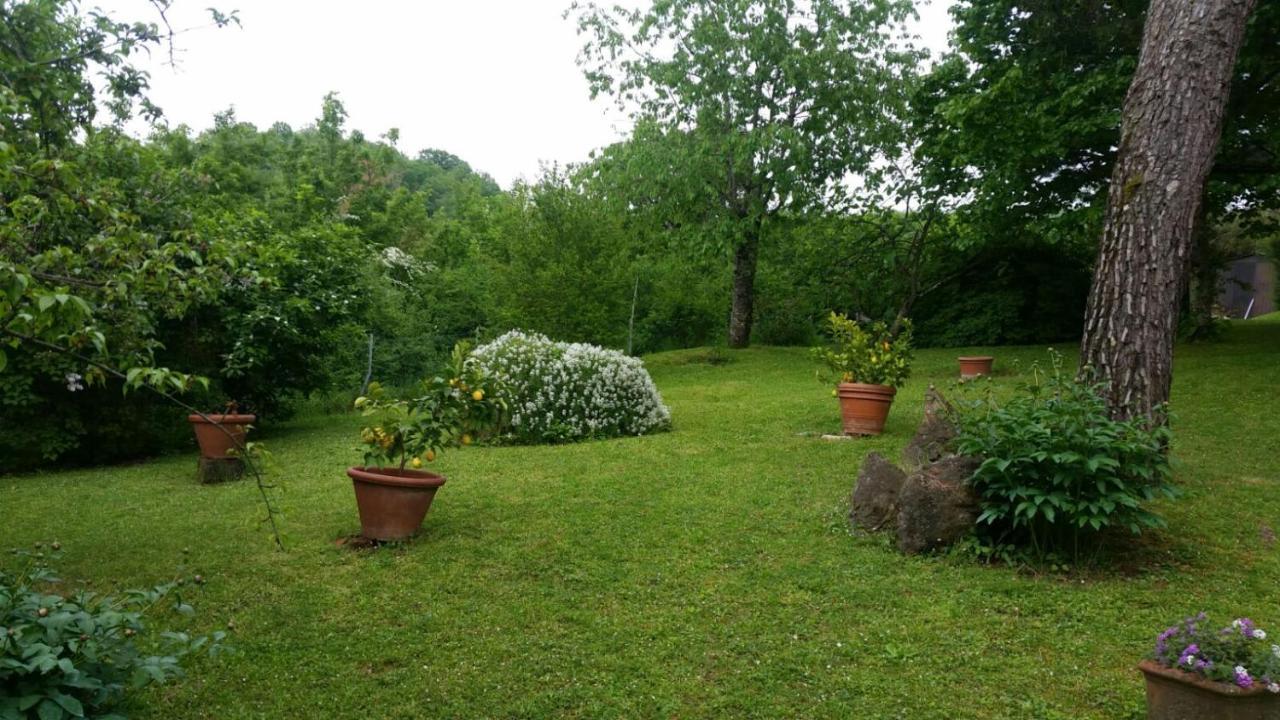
x,y
391,501
864,408
1176,695
975,366
217,436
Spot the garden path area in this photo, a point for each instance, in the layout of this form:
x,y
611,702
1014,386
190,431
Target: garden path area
x,y
705,572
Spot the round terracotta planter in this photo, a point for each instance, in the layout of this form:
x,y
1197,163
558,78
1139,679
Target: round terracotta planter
x,y
391,501
220,433
1174,695
864,408
972,367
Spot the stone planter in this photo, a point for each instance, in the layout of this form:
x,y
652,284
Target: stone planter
x,y
864,408
975,366
391,501
1176,695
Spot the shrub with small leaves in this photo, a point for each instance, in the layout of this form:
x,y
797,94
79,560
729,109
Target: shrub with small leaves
x,y
559,392
1057,469
75,655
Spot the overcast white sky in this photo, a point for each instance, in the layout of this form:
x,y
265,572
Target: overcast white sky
x,y
491,81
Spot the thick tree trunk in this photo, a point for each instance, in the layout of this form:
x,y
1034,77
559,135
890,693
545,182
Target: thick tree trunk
x,y
744,282
1170,127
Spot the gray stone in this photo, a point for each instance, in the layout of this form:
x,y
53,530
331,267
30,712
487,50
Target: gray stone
x,y
875,497
934,436
937,507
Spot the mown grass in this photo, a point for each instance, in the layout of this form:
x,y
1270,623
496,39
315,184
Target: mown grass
x,y
706,572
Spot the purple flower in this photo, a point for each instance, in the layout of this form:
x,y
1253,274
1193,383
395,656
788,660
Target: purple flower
x,y
1245,626
1188,656
1162,640
1242,677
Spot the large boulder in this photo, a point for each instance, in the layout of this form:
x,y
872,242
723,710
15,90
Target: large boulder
x,y
937,506
875,497
935,434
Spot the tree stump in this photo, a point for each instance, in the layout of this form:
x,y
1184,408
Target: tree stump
x,y
217,470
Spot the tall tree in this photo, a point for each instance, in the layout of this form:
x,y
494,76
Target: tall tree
x,y
747,109
1170,129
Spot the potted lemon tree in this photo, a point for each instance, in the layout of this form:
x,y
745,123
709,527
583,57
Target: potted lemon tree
x,y
868,365
393,491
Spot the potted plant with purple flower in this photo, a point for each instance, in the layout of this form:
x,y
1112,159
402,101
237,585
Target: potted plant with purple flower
x,y
1198,672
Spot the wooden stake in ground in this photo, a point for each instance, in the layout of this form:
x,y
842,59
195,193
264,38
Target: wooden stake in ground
x,y
1170,128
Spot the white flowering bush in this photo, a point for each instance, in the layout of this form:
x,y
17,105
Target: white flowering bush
x,y
558,392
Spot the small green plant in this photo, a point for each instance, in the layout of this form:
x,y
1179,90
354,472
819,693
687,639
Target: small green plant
x,y
77,655
1056,469
445,412
873,354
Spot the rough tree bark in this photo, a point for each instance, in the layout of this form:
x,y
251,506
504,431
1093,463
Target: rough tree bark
x,y
1170,127
744,282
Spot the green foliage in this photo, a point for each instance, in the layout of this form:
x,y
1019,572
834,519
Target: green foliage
x,y
741,114
874,354
1057,470
561,235
77,655
441,413
1022,293
1062,69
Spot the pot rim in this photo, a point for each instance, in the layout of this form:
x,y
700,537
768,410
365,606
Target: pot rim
x,y
867,388
1151,667
396,477
976,358
221,419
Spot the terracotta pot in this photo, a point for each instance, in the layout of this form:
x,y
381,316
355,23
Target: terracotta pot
x,y
391,501
864,408
214,442
972,367
1176,695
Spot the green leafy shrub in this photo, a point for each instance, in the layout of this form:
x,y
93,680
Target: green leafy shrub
x,y
559,392
1057,469
76,655
871,354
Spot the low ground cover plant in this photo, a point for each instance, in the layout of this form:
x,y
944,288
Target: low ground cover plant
x,y
1241,654
76,655
869,353
559,392
1056,469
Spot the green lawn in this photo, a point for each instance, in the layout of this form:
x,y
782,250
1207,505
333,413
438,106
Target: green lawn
x,y
705,572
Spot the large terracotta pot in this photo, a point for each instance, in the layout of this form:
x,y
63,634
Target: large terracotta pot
x,y
391,501
972,367
1176,695
864,408
220,433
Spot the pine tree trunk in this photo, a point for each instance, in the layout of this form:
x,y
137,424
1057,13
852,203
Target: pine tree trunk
x,y
1171,123
744,281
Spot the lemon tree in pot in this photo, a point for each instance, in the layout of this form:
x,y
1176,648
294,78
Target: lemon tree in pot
x,y
393,491
868,364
